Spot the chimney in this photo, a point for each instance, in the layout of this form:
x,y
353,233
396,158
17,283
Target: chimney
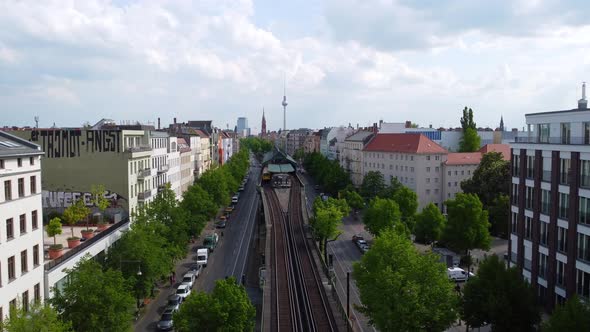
x,y
380,123
583,103
158,123
174,120
430,126
408,124
375,131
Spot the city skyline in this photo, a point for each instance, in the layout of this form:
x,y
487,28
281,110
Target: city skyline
x,y
218,60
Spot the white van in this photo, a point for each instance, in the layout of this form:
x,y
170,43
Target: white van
x,y
458,274
202,255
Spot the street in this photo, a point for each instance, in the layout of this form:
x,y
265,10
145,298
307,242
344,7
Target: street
x,y
229,258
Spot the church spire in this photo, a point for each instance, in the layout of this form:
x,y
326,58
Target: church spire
x,y
263,127
501,123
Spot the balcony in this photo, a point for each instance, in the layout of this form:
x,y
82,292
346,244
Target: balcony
x,y
554,140
139,148
163,169
144,173
143,196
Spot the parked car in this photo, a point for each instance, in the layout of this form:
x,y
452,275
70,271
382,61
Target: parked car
x,y
183,291
188,279
220,224
174,302
196,269
165,323
458,274
361,243
210,241
202,256
229,210
234,199
241,188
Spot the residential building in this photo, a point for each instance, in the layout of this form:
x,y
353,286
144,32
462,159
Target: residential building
x,y
351,156
159,141
186,165
296,139
205,152
312,142
458,167
174,174
21,224
413,159
550,204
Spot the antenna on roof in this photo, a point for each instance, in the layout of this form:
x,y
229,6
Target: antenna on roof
x,y
37,121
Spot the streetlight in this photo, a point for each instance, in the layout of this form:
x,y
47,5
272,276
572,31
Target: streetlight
x,y
121,261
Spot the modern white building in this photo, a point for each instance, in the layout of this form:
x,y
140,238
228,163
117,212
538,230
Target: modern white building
x,y
550,204
21,223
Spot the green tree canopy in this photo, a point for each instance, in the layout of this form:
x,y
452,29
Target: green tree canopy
x,y
353,199
54,228
227,308
373,185
381,214
213,182
467,119
39,318
499,296
403,290
467,224
407,200
490,179
74,213
574,315
470,141
94,299
499,215
429,224
327,173
98,198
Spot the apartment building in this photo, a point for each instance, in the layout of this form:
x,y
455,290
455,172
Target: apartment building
x,y
21,224
186,165
550,204
159,142
296,139
204,162
351,156
415,160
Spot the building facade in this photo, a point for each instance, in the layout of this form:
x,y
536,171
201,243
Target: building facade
x,y
21,224
550,204
351,156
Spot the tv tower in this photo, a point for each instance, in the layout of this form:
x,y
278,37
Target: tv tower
x,y
284,103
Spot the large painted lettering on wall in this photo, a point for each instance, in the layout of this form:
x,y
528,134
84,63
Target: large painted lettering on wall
x,y
64,199
68,143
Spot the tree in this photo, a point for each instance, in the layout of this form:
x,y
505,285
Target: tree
x,y
403,290
38,318
353,199
54,228
470,141
200,206
407,200
499,296
75,213
499,214
325,223
381,214
213,182
574,315
227,308
429,224
94,299
373,185
490,179
467,224
98,198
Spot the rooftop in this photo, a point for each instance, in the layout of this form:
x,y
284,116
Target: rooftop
x,y
463,158
404,143
504,149
15,146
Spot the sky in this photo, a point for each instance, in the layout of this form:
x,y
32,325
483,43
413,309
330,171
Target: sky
x,y
342,61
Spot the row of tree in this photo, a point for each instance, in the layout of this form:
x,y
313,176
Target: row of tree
x,y
257,145
100,293
327,173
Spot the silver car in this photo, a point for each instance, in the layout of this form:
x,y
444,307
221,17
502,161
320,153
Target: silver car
x,y
165,323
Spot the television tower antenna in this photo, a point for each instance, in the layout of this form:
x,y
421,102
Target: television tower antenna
x,y
284,103
37,121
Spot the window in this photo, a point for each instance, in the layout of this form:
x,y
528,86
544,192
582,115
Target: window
x,y
37,292
33,185
561,239
11,269
584,247
586,132
427,180
9,229
564,200
543,233
449,172
427,191
34,220
23,223
7,190
436,169
543,132
427,169
19,162
26,301
24,266
436,191
543,265
449,184
545,201
529,194
515,165
560,273
528,227
468,172
36,255
514,221
565,133
583,284
584,215
31,161
565,171
412,169
585,173
514,194
435,180
455,184
530,166
427,157
456,172
21,187
1,163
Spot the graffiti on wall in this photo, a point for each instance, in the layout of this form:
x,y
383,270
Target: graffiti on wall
x,y
68,143
64,199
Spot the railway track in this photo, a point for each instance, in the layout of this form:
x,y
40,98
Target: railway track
x,y
296,283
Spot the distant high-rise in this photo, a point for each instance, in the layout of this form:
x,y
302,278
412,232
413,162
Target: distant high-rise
x,y
242,128
284,103
263,127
